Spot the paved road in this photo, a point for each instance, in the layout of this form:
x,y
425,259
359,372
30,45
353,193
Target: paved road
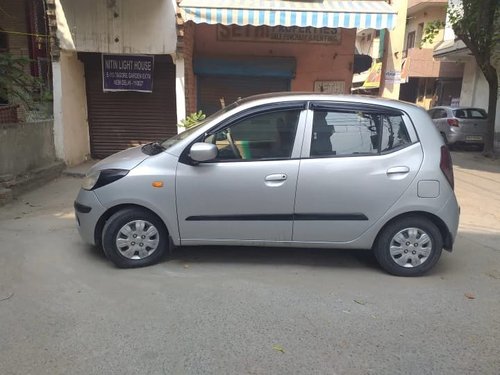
x,y
246,310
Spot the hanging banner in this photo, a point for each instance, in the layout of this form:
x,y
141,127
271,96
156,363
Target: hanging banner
x,y
127,72
373,79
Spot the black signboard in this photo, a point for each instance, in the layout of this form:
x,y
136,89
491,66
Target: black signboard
x,y
127,73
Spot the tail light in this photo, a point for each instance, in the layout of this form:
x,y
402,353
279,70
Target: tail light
x,y
446,165
453,122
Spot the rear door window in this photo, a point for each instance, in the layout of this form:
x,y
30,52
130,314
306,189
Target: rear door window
x,y
346,133
438,113
470,113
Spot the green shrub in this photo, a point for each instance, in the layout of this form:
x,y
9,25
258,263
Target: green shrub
x,y
192,119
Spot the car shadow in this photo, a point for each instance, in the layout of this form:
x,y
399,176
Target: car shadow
x,y
253,255
344,258
94,252
458,262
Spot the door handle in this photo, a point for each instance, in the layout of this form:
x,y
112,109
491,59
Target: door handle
x,y
398,170
276,177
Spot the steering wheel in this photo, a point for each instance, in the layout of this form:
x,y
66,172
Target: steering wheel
x,y
235,150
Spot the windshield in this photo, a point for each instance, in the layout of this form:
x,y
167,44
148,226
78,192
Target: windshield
x,y
470,113
186,133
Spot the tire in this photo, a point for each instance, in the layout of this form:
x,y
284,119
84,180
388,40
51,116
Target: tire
x,y
121,247
409,257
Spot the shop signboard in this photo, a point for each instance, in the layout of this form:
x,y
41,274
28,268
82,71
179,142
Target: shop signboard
x,y
127,72
330,87
392,76
280,34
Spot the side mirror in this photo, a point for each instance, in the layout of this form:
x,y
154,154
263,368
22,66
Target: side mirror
x,y
201,151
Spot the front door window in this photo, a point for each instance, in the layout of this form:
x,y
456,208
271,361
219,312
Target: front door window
x,y
268,135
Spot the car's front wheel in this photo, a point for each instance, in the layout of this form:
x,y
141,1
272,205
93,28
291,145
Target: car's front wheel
x,y
410,246
134,237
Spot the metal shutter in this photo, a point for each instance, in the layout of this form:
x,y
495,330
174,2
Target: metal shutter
x,y
119,120
212,88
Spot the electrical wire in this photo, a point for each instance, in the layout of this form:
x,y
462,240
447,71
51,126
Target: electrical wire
x,y
24,34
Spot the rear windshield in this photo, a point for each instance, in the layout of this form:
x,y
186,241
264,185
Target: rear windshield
x,y
473,113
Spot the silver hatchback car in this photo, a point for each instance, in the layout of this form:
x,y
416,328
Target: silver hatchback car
x,y
463,125
301,170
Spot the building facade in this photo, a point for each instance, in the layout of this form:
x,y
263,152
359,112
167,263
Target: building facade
x,y
114,76
428,82
237,49
475,89
126,72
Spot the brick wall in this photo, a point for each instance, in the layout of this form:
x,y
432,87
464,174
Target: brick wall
x,y
315,61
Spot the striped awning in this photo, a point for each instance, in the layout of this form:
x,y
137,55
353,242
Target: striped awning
x,y
322,13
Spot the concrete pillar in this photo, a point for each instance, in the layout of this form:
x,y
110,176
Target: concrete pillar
x,y
58,122
469,82
180,90
393,51
71,132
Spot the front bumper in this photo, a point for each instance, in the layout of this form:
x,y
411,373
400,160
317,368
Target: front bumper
x,y
88,210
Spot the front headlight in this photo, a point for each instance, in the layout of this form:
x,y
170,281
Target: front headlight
x,y
90,180
102,178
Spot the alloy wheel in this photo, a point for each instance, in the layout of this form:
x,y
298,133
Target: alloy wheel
x,y
137,239
410,247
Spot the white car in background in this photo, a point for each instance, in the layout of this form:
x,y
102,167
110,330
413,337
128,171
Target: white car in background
x,y
463,125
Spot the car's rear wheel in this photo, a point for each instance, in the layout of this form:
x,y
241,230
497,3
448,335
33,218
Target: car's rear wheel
x,y
134,237
410,246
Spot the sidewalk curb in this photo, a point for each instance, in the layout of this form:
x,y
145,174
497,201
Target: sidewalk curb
x,y
9,190
79,170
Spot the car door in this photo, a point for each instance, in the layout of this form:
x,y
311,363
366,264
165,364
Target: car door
x,y
247,193
355,165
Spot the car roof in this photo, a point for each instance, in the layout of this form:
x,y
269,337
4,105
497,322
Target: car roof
x,y
455,108
315,96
